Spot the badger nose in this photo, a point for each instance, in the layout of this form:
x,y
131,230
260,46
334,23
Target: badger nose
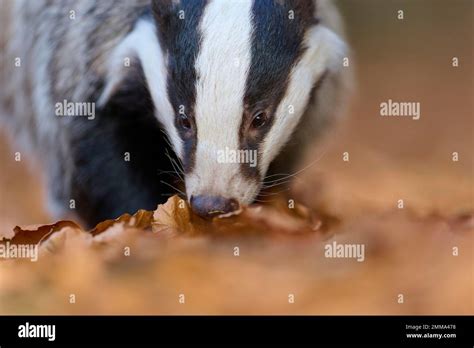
x,y
210,206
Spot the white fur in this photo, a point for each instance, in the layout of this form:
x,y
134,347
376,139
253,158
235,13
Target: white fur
x,y
222,67
144,43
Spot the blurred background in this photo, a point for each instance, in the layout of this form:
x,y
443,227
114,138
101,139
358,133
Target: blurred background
x,y
390,158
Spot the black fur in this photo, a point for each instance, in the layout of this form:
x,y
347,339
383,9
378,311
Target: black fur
x,y
104,184
181,39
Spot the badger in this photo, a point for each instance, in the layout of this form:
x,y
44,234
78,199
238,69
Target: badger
x,y
167,86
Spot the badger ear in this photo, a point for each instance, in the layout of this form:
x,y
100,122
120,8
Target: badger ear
x,y
327,47
338,49
330,67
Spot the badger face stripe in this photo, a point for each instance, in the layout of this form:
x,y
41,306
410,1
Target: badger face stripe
x,y
277,45
222,67
306,77
178,23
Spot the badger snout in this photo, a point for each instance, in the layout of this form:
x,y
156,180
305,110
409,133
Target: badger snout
x,y
210,206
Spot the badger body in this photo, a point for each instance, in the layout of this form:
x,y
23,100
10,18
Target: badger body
x,y
170,81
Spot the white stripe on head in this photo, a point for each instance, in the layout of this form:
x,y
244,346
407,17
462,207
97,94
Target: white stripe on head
x,y
324,51
143,43
222,67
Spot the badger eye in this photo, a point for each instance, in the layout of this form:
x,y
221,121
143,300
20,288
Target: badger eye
x,y
259,120
184,122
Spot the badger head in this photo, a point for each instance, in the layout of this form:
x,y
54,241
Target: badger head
x,y
230,81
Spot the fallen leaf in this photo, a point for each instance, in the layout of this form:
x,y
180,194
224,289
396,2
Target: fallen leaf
x,y
172,218
67,236
141,219
37,234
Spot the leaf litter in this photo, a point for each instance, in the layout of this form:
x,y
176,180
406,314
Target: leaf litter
x,y
246,262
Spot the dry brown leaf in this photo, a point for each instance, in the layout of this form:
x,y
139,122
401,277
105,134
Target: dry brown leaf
x,y
36,234
176,218
39,233
173,217
67,236
276,219
142,219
